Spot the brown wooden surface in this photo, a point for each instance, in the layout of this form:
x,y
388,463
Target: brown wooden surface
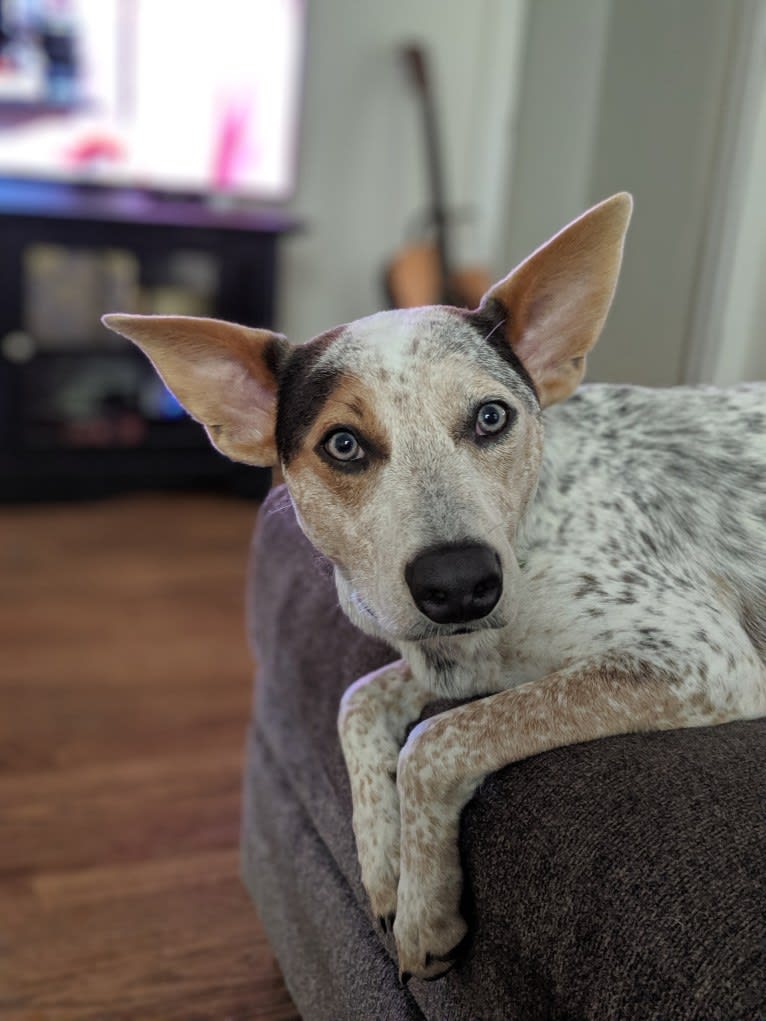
x,y
124,696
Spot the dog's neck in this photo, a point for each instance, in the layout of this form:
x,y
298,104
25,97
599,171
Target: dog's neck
x,y
462,666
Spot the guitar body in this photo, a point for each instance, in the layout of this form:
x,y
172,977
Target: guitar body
x,y
413,278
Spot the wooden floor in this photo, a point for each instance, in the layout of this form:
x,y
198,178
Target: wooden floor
x,y
124,695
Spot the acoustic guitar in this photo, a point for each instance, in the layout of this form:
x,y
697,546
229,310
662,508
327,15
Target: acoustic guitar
x,y
422,273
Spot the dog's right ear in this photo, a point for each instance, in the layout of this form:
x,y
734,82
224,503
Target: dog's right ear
x,y
225,376
556,301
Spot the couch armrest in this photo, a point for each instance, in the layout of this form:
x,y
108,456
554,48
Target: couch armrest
x,y
619,879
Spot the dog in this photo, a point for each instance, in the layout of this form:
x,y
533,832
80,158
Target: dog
x,y
588,567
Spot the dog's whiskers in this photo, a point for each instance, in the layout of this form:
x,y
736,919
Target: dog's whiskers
x,y
495,328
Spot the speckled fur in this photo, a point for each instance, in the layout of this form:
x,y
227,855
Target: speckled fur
x,y
635,592
629,525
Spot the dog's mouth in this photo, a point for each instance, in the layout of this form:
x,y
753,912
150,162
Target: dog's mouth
x,y
425,632
361,606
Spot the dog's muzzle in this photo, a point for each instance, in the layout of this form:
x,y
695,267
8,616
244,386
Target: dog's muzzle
x,y
455,583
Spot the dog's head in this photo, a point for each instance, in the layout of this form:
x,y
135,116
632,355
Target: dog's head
x,y
411,440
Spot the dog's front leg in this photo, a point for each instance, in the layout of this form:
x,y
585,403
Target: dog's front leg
x,y
446,757
372,723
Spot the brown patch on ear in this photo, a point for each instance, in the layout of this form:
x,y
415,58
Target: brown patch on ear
x,y
559,297
225,375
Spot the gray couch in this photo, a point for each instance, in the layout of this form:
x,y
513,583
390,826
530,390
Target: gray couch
x,y
621,879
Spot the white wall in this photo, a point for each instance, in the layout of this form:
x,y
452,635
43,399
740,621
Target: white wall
x,y
563,64
740,353
663,96
362,173
728,338
626,94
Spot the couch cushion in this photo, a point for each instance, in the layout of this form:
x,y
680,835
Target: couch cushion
x,y
615,879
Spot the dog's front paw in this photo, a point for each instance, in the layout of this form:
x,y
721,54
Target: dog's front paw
x,y
429,929
380,878
376,828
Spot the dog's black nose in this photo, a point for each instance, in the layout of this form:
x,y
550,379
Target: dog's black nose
x,y
456,583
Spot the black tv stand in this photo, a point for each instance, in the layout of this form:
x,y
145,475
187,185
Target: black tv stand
x,y
47,453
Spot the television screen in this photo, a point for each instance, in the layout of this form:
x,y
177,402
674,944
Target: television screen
x,y
167,95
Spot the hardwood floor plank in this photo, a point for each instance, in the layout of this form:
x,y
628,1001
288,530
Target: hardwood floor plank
x,y
124,812
59,889
124,699
168,953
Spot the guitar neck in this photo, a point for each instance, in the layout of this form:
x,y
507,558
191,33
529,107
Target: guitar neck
x,y
416,58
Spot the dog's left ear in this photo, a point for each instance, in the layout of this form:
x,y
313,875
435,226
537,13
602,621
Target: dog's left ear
x,y
557,300
225,376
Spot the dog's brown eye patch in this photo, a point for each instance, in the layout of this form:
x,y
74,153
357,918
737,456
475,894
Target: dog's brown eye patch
x,y
304,392
348,436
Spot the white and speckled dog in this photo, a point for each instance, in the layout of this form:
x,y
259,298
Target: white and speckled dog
x,y
610,579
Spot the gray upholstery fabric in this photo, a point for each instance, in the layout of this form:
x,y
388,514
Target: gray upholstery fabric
x,y
620,879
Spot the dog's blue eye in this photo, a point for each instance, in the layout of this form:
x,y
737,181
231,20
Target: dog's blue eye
x,y
343,446
491,419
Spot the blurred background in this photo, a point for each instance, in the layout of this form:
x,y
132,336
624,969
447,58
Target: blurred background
x,y
265,162
275,162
